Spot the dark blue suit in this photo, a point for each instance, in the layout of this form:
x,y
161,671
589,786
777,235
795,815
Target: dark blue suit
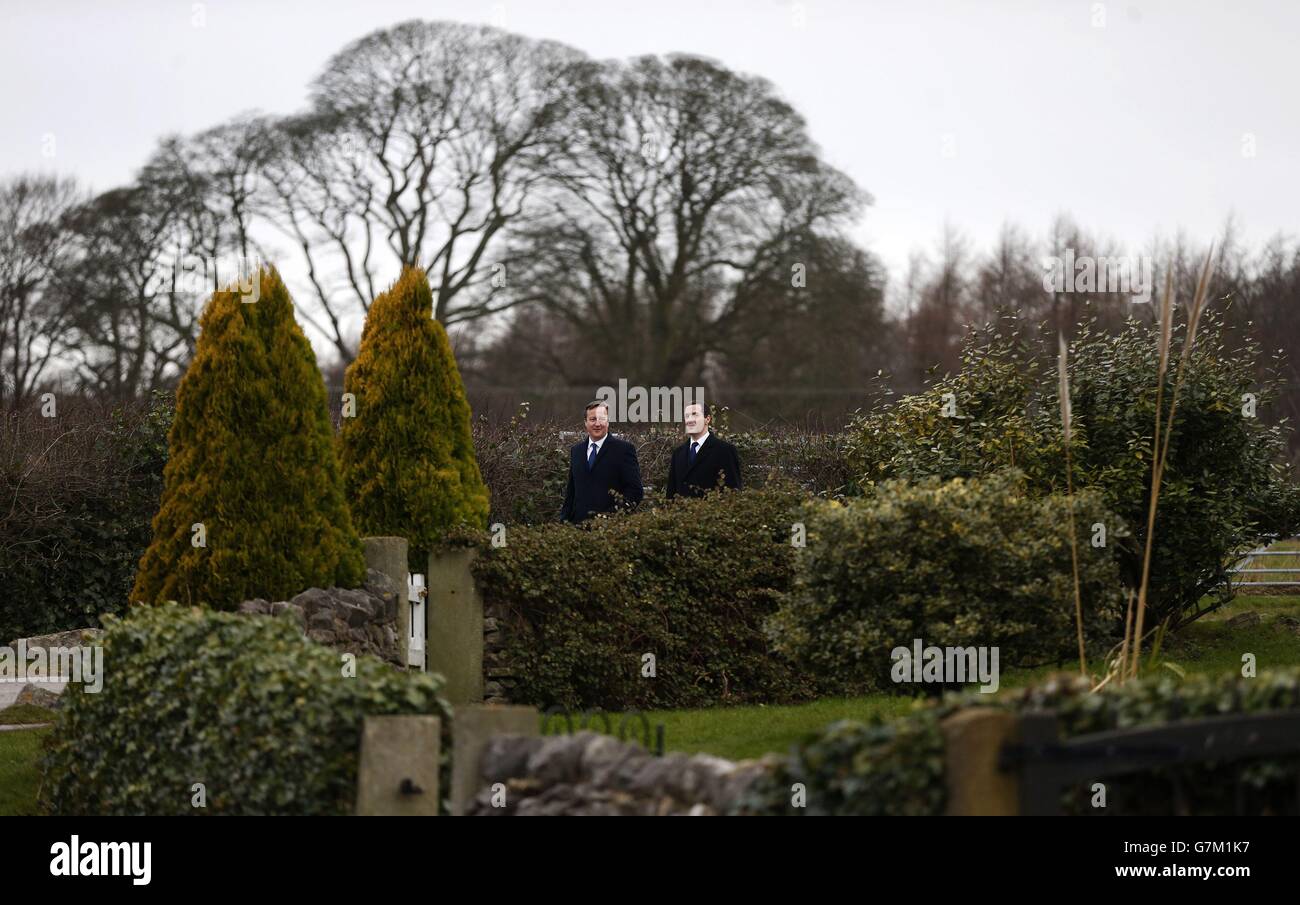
x,y
591,490
716,464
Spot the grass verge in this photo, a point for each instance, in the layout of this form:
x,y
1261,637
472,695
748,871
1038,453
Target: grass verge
x,y
20,754
1209,646
26,715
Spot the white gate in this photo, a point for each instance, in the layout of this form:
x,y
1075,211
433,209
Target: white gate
x,y
417,594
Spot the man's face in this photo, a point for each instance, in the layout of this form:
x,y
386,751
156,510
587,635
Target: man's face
x,y
597,422
696,423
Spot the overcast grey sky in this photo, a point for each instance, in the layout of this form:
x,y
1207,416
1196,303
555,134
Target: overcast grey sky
x,y
1137,118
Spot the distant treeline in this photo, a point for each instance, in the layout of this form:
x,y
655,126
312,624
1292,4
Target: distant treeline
x,y
661,220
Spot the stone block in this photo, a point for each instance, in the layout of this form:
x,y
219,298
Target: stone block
x,y
973,741
355,616
313,601
473,727
38,696
454,613
398,771
322,636
388,556
286,610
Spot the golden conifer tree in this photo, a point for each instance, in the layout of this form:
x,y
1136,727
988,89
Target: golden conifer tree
x,y
408,454
252,502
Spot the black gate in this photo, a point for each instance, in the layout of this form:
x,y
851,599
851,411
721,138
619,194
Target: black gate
x,y
1047,765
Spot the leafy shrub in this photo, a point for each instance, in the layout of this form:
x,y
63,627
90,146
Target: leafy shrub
x,y
691,582
251,458
408,455
898,768
957,563
82,488
245,705
989,427
871,770
1224,487
525,465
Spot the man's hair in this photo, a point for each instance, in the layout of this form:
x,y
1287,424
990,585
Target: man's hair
x,y
704,408
596,404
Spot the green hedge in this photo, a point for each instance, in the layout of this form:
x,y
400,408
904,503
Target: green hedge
x,y
246,705
895,769
690,582
81,490
1226,487
958,563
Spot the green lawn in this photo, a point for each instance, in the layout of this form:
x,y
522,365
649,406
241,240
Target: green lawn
x,y
752,731
1206,646
19,753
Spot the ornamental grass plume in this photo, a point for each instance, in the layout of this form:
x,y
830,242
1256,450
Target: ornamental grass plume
x,y
1163,431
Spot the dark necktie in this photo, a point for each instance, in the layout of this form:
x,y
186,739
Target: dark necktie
x,y
591,459
695,447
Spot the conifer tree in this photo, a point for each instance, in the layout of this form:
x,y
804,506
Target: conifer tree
x,y
407,453
252,502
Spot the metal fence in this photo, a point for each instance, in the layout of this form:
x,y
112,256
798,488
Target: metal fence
x,y
1243,571
633,724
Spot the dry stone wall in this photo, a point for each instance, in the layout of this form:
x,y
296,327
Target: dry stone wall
x,y
357,621
597,775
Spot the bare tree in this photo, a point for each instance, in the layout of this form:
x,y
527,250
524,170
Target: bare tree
x,y
681,207
422,144
34,245
209,183
1010,278
812,357
941,307
131,297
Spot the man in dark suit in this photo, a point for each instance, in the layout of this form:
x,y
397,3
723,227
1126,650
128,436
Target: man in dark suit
x,y
599,467
703,462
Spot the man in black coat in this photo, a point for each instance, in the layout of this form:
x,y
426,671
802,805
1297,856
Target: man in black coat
x,y
703,462
600,467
